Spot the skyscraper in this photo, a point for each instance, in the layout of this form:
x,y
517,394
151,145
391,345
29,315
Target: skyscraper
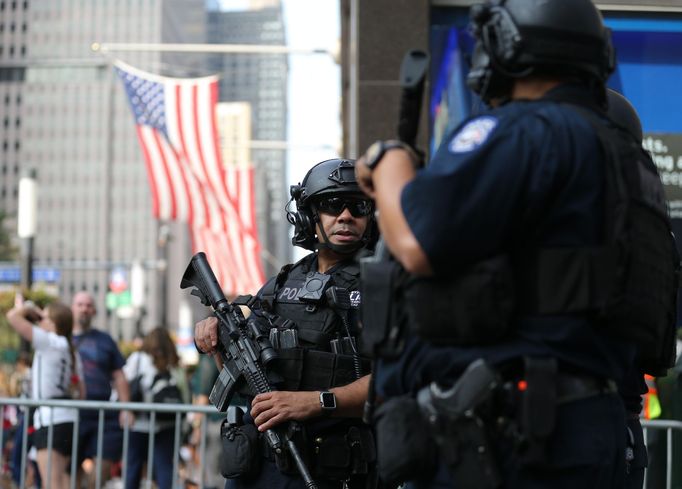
x,y
63,113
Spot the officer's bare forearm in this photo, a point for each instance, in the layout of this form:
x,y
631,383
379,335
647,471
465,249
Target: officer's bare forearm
x,y
389,178
350,399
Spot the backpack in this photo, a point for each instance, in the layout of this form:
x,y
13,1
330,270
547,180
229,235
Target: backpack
x,y
630,282
165,390
643,303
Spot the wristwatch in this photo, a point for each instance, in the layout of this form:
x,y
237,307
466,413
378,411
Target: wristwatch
x,y
327,402
379,148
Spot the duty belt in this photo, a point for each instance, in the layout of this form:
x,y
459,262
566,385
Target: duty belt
x,y
573,387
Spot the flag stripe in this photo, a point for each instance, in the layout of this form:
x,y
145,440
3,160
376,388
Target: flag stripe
x,y
150,173
163,166
192,163
160,175
183,202
206,152
210,140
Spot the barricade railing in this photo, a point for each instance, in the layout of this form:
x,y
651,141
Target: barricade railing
x,y
669,426
180,410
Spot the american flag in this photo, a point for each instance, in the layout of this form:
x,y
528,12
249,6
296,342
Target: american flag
x,y
176,126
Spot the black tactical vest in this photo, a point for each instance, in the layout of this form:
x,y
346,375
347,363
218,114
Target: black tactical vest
x,y
312,366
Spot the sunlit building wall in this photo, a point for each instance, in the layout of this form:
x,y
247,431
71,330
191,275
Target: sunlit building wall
x,y
64,114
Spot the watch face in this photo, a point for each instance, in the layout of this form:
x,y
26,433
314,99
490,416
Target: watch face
x,y
374,153
328,400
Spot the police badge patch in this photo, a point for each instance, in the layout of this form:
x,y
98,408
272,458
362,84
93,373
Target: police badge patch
x,y
473,134
355,298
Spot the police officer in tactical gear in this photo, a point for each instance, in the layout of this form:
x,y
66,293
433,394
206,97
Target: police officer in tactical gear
x,y
309,311
524,288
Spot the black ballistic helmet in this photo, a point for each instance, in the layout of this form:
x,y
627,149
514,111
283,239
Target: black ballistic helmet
x,y
335,177
517,38
622,113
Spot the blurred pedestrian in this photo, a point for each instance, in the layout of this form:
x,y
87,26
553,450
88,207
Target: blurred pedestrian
x,y
157,360
20,378
102,367
56,374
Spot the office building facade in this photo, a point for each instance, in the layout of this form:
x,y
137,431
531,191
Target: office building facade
x,y
64,114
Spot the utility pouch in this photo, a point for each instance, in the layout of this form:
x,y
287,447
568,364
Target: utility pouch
x,y
474,307
240,457
382,324
332,456
537,408
405,448
344,452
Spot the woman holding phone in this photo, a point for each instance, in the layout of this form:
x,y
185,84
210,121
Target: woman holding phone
x,y
56,373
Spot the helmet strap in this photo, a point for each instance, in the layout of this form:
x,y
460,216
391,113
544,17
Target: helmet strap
x,y
346,249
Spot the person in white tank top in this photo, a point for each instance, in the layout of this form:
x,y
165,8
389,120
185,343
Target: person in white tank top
x,y
56,373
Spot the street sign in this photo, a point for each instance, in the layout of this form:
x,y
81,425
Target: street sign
x,y
13,275
118,279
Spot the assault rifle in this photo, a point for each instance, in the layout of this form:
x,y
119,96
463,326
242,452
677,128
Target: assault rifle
x,y
244,351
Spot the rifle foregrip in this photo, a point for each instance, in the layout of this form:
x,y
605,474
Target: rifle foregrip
x,y
258,381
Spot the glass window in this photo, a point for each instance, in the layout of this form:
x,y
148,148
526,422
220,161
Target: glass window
x,y
649,68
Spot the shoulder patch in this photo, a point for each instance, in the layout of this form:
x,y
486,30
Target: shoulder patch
x,y
473,134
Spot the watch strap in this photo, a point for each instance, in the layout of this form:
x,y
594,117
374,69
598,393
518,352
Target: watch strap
x,y
383,148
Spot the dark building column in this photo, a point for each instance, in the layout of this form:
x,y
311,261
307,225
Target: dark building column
x,y
375,36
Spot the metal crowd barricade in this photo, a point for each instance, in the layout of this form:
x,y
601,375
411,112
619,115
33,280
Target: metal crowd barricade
x,y
180,411
667,425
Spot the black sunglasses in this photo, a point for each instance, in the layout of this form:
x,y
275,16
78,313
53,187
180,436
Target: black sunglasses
x,y
334,206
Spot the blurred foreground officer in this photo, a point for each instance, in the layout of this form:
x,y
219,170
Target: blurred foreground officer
x,y
538,252
309,312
